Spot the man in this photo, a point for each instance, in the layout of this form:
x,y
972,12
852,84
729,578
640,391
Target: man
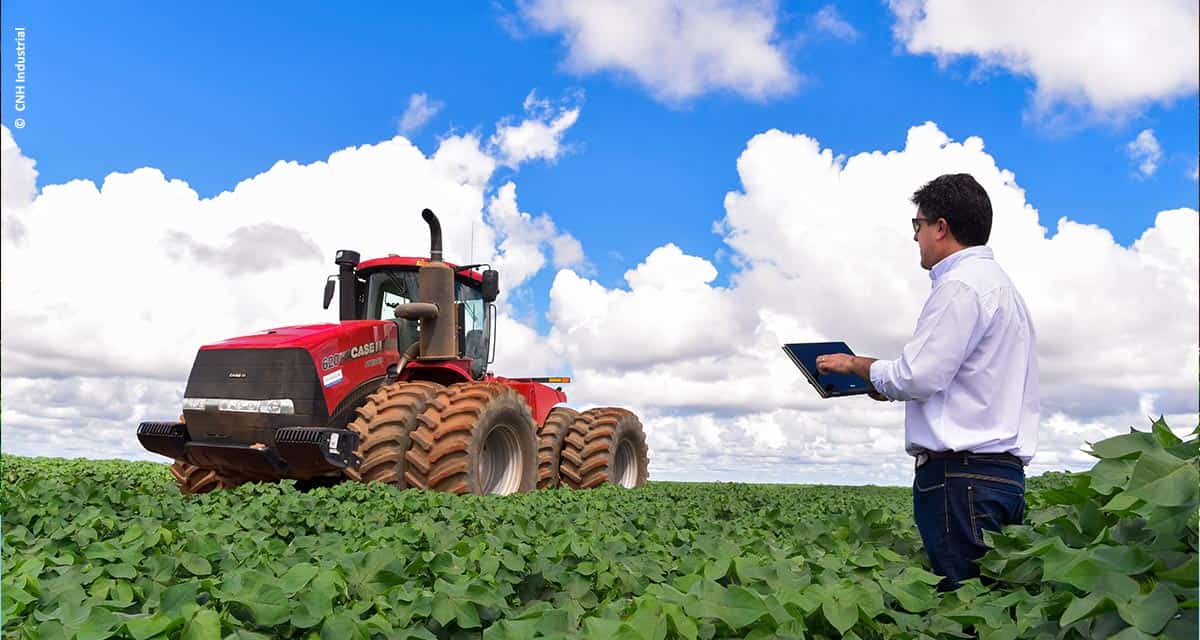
x,y
969,376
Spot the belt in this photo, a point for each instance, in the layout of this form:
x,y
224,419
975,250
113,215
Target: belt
x,y
926,456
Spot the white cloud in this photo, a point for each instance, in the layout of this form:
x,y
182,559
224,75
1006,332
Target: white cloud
x,y
538,137
676,50
420,110
522,252
825,253
829,21
1108,59
18,185
1145,151
111,287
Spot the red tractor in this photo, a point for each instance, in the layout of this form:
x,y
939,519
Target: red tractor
x,y
398,391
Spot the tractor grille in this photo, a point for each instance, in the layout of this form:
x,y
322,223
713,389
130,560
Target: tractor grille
x,y
252,374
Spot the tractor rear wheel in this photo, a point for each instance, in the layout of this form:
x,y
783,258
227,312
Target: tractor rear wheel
x,y
605,445
474,437
550,443
192,479
383,424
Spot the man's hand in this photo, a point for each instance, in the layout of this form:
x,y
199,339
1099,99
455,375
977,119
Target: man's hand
x,y
835,363
854,365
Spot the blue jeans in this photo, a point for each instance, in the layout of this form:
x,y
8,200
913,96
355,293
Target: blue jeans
x,y
955,500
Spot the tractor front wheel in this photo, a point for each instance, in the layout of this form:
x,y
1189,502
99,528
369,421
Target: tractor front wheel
x,y
383,424
192,479
474,437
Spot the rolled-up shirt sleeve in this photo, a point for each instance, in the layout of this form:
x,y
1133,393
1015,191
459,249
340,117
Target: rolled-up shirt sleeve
x,y
943,338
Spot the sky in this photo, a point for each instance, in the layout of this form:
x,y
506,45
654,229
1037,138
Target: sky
x,y
670,190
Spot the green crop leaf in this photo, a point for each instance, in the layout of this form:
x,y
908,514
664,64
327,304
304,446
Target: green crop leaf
x,y
1164,480
204,625
315,603
342,626
840,609
1164,435
1130,444
1150,612
148,626
296,577
195,564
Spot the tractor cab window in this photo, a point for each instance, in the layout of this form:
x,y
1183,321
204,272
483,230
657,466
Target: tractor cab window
x,y
386,290
474,349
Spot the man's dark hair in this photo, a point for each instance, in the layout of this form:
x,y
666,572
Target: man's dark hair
x,y
964,204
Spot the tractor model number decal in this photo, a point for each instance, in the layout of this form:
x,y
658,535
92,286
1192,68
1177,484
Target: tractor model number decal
x,y
365,349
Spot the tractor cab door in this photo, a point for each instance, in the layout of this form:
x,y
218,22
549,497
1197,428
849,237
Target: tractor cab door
x,y
385,290
472,324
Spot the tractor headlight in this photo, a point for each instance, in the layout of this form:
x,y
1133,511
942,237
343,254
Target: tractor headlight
x,y
275,406
284,406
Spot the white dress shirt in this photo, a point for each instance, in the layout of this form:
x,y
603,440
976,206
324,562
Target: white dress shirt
x,y
970,371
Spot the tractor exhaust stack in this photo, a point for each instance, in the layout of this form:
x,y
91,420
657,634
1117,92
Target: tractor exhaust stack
x,y
435,235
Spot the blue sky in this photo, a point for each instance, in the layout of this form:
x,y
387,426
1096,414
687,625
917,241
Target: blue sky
x,y
217,94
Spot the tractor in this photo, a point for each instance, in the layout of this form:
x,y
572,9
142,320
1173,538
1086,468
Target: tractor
x,y
398,391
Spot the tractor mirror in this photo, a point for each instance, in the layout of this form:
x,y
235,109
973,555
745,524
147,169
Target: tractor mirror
x,y
329,291
491,285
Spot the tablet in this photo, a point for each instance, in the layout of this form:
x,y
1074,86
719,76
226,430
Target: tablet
x,y
829,385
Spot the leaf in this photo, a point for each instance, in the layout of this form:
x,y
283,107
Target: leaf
x,y
100,623
740,607
315,602
121,570
1129,444
148,626
180,600
296,577
1149,613
205,625
196,565
680,622
1164,480
1164,435
342,626
839,609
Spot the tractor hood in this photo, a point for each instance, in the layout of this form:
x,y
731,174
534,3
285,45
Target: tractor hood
x,y
310,337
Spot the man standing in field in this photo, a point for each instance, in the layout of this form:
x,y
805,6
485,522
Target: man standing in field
x,y
969,376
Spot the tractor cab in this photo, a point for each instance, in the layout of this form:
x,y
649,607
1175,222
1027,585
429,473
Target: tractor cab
x,y
456,313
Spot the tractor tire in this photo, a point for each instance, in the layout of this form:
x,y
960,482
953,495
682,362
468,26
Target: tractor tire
x,y
192,479
474,437
550,443
605,445
383,424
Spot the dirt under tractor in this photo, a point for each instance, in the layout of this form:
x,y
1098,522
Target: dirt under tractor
x,y
399,391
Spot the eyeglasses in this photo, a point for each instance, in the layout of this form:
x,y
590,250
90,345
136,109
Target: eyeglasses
x,y
916,222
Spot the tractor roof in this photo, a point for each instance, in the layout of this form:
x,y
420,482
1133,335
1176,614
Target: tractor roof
x,y
404,261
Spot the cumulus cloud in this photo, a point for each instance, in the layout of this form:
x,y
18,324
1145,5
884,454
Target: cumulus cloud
x,y
1146,152
676,50
420,111
18,185
522,253
1109,59
829,21
824,252
538,137
110,288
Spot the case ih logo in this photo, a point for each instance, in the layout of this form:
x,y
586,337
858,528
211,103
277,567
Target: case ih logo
x,y
366,349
